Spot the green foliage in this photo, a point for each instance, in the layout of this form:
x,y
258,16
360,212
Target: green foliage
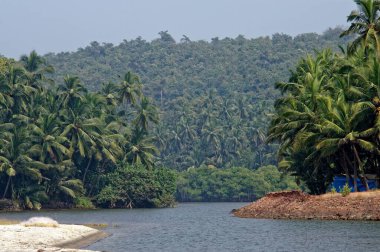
x,y
327,121
214,97
136,186
58,142
346,190
233,184
70,139
333,190
3,64
83,203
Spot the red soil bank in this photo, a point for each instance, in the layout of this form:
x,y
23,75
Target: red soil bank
x,y
299,205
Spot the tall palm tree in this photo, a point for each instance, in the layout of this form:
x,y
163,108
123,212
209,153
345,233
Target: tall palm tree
x,y
140,149
109,90
83,133
48,144
36,68
342,134
130,89
71,92
15,159
145,112
365,23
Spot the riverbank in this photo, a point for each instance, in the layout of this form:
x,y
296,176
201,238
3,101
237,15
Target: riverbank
x,y
299,205
18,237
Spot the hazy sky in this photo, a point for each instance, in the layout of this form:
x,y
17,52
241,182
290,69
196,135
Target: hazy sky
x,y
65,25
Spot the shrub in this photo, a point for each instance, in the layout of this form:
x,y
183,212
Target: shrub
x,y
83,203
346,190
137,186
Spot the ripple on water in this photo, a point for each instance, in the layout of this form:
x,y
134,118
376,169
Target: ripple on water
x,y
210,227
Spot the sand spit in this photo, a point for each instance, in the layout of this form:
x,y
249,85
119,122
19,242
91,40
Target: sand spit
x,y
299,205
18,237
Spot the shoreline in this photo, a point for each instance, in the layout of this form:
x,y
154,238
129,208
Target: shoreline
x,y
82,242
360,206
17,237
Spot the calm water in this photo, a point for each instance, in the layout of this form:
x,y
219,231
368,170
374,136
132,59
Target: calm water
x,y
210,227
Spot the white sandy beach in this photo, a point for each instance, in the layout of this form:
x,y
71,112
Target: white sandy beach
x,y
20,238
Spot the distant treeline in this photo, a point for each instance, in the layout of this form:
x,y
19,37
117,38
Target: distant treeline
x,y
209,184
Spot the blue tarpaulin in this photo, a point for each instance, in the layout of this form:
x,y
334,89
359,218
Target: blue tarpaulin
x,y
340,181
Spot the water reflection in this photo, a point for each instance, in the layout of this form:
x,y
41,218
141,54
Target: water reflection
x,y
210,227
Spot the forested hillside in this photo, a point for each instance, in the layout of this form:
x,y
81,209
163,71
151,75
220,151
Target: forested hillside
x,y
214,96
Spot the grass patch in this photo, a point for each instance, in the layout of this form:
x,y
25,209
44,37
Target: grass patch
x,y
96,225
41,225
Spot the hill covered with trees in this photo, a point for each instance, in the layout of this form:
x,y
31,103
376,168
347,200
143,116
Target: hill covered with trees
x,y
214,97
76,130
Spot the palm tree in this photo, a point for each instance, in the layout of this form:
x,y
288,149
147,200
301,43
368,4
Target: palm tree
x,y
71,92
342,134
17,95
212,137
258,138
186,131
140,149
32,62
109,90
297,116
365,23
36,69
49,145
83,133
130,89
145,113
96,104
15,159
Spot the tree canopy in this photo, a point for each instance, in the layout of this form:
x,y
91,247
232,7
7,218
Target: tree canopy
x,y
59,143
213,97
328,117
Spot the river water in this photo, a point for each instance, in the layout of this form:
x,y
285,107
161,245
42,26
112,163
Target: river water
x,y
210,227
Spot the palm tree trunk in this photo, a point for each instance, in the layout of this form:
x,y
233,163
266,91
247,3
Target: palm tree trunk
x,y
85,172
355,172
345,168
355,179
161,98
97,180
260,159
362,176
378,172
6,187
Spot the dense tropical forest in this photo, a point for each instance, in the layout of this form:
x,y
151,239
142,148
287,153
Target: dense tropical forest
x,y
213,97
83,129
63,145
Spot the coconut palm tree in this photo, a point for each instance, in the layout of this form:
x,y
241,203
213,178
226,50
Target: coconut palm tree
x,y
365,23
71,91
16,162
145,113
48,144
140,149
343,134
36,69
130,89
